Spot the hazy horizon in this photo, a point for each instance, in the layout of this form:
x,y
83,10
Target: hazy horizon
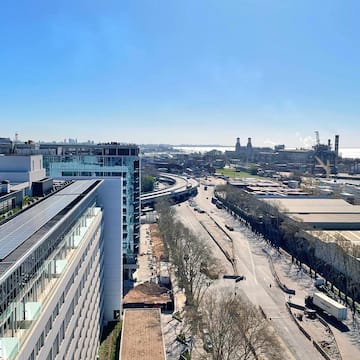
x,y
181,72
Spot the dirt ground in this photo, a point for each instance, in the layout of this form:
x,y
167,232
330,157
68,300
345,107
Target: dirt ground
x,y
157,243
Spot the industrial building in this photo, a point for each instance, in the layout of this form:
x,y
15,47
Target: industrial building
x,y
320,160
56,288
267,188
320,213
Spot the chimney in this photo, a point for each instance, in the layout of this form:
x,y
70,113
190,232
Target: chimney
x,y
249,145
237,146
337,145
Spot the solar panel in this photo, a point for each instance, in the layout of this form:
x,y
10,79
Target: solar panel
x,y
76,188
17,230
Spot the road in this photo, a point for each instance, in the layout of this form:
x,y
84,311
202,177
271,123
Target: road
x,y
251,261
180,184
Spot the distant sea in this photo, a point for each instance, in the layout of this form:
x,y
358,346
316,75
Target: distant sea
x,y
349,153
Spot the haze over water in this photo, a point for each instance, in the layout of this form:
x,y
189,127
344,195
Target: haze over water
x,y
349,153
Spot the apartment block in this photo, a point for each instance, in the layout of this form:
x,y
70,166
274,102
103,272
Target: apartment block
x,y
56,289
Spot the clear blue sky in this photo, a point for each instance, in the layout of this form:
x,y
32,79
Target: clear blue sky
x,y
181,71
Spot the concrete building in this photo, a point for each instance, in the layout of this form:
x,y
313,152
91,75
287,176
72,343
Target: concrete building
x,y
320,213
22,168
266,188
113,160
142,336
57,278
60,278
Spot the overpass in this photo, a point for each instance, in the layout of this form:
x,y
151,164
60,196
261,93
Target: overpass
x,y
180,189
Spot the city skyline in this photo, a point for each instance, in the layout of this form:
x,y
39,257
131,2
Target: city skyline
x,y
181,73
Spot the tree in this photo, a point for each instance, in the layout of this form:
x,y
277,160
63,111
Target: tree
x,y
236,328
192,260
147,183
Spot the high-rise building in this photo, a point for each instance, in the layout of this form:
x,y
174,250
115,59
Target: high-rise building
x,y
103,161
57,280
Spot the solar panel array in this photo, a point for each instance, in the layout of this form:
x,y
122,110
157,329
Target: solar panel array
x,y
17,230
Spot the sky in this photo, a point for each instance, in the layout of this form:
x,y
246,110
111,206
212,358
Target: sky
x,y
181,71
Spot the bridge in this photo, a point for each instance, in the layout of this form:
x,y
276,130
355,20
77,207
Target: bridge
x,y
179,189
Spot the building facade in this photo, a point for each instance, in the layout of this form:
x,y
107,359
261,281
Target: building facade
x,y
52,276
20,169
104,161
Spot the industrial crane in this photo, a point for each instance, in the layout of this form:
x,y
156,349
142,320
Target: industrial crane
x,y
320,162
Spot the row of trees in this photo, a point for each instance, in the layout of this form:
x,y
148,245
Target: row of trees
x,y
282,231
236,329
193,262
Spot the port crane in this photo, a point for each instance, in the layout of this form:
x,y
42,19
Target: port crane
x,y
324,166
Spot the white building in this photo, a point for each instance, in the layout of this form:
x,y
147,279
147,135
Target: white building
x,y
104,161
22,169
56,288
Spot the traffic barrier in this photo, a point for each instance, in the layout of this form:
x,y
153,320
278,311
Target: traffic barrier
x,y
321,350
297,323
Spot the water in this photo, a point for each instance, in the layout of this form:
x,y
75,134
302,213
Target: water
x,y
349,153
203,148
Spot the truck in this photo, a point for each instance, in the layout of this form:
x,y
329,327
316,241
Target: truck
x,y
328,305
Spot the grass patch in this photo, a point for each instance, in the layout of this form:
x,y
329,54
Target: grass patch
x,y
185,355
231,173
110,341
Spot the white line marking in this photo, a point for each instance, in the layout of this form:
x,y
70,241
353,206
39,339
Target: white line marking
x,y
252,262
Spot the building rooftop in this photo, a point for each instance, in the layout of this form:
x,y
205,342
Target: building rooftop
x,y
22,232
330,221
326,214
141,335
314,205
149,294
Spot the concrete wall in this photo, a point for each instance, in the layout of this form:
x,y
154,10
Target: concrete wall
x,y
110,194
22,168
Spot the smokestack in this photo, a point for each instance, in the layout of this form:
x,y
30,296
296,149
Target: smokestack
x,y
329,144
237,146
249,145
337,145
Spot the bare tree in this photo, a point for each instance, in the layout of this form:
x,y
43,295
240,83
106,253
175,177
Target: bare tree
x,y
236,329
192,260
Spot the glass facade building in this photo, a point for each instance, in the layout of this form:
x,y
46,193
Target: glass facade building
x,y
110,160
51,277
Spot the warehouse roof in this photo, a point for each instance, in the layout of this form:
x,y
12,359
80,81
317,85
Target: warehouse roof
x,y
314,205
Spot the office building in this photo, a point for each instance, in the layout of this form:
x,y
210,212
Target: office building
x,y
56,290
103,161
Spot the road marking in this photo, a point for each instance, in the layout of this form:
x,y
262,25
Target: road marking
x,y
252,262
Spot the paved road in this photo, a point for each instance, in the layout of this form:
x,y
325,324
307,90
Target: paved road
x,y
251,262
181,184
